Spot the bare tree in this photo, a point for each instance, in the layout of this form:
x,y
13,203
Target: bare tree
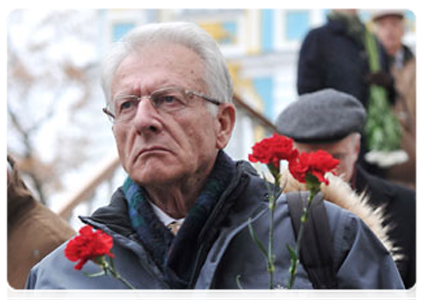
x,y
52,65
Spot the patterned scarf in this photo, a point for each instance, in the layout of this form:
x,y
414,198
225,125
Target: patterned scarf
x,y
353,26
175,255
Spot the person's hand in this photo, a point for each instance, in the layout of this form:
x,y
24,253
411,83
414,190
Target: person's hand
x,y
380,78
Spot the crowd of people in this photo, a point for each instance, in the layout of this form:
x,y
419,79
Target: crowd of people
x,y
169,96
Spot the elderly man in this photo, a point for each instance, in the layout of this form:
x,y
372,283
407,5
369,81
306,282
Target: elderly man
x,y
332,121
169,96
389,28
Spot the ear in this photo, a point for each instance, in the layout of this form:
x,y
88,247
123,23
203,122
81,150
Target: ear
x,y
356,144
113,131
225,122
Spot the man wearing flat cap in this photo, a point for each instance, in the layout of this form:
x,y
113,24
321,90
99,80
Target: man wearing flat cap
x,y
332,120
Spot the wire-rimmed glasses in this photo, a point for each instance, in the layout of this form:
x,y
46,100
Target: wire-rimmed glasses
x,y
167,99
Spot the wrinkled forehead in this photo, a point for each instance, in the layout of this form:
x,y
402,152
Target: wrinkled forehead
x,y
157,65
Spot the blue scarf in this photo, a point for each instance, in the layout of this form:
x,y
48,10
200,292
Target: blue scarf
x,y
175,255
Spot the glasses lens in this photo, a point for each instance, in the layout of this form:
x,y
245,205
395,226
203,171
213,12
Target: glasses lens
x,y
125,108
169,99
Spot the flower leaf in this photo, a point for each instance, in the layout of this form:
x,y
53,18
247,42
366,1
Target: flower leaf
x,y
101,273
242,289
292,252
256,240
111,263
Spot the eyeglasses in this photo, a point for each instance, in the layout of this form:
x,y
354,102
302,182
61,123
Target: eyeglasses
x,y
168,99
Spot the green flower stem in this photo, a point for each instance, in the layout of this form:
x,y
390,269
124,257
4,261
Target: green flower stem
x,y
270,258
109,268
314,187
270,255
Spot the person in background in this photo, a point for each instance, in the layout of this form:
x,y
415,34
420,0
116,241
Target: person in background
x,y
33,230
389,27
169,97
335,56
333,121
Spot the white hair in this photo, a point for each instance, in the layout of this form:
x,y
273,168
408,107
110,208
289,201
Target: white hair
x,y
190,35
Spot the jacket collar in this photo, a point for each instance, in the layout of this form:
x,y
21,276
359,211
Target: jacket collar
x,y
114,216
357,201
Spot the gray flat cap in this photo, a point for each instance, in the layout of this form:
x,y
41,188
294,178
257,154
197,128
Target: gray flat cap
x,y
321,117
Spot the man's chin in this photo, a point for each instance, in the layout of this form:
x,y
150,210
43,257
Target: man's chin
x,y
148,160
153,176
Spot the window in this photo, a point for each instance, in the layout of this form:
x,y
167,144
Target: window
x,y
297,25
231,29
119,30
264,87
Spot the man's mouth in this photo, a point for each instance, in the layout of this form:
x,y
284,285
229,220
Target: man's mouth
x,y
151,150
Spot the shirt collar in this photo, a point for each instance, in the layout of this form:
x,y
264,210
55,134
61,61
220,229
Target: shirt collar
x,y
165,218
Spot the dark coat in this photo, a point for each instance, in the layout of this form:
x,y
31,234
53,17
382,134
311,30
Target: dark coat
x,y
408,54
330,58
400,209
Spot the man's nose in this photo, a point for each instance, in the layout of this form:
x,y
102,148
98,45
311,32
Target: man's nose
x,y
147,118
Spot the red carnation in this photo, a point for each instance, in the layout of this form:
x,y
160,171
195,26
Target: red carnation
x,y
314,163
89,245
272,150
